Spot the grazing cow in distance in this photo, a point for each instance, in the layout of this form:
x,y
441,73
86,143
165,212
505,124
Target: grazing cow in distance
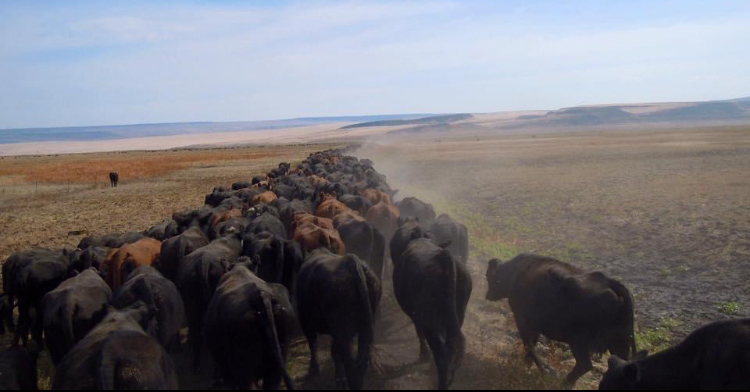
x,y
118,355
114,178
589,311
72,310
715,357
339,296
433,289
248,327
18,370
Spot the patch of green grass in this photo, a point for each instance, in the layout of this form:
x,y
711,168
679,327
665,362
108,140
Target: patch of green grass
x,y
730,309
658,339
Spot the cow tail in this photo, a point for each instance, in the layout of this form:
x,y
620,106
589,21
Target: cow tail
x,y
272,337
455,338
629,308
367,333
280,267
371,254
67,315
206,280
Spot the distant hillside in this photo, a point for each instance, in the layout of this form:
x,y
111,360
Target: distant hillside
x,y
716,111
433,120
115,132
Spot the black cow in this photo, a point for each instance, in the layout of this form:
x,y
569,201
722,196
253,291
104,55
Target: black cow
x,y
114,178
289,211
197,278
111,240
91,257
413,207
28,276
277,259
589,311
409,230
715,357
356,203
433,289
248,327
234,225
195,218
267,222
18,370
241,185
338,296
72,310
6,314
174,250
164,230
366,242
146,284
118,355
447,230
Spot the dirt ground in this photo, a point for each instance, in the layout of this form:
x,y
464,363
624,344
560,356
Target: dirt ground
x,y
665,212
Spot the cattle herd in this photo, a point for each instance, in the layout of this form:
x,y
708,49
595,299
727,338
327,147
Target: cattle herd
x,y
304,251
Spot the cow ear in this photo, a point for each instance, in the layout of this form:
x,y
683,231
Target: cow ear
x,y
493,265
632,372
615,362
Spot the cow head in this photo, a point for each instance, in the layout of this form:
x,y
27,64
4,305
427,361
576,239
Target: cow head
x,y
621,375
498,281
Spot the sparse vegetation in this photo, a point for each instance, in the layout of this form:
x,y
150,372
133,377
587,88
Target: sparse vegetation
x,y
730,309
659,338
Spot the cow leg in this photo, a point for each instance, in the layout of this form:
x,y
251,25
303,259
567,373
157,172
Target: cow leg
x,y
312,343
37,328
442,359
583,364
195,334
424,351
338,352
22,332
530,339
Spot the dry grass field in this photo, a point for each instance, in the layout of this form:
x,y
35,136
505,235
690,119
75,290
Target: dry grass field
x,y
666,212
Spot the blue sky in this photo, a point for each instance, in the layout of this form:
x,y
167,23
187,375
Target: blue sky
x,y
93,62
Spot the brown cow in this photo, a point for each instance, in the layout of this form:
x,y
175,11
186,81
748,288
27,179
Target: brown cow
x,y
302,219
346,217
375,196
385,218
331,207
264,198
121,262
312,237
223,216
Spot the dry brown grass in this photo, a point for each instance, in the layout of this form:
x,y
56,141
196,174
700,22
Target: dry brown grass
x,y
130,166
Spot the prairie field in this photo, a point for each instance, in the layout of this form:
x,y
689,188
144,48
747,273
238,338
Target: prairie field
x,y
665,212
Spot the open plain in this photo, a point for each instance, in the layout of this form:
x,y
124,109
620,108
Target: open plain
x,y
666,212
